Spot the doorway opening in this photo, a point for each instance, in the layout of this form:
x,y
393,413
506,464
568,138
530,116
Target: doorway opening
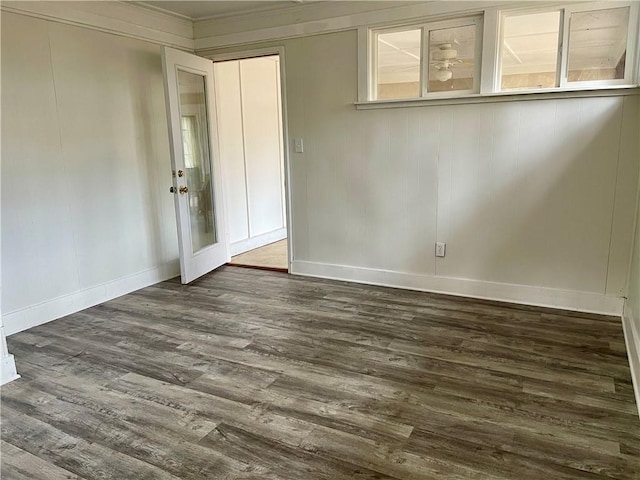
x,y
249,112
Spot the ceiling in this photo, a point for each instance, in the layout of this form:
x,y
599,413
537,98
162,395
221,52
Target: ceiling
x,y
197,10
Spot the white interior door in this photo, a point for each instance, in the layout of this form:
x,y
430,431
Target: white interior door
x,y
197,182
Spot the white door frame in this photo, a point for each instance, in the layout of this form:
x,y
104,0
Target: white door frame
x,y
264,52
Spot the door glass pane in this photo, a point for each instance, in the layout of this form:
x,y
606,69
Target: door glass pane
x,y
197,160
530,51
398,64
598,45
451,58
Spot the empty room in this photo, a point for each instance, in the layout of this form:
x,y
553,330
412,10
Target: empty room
x,y
317,239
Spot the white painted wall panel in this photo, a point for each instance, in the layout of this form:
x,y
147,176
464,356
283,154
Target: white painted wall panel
x,y
259,87
85,166
622,229
35,241
549,223
633,302
231,138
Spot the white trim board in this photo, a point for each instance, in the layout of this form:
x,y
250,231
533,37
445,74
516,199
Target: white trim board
x,y
503,292
247,244
49,310
8,371
632,340
260,28
119,18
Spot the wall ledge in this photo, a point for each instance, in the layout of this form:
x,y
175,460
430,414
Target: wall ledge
x,y
34,315
499,97
503,292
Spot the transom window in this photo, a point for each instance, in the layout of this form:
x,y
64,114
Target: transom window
x,y
554,48
598,45
426,60
564,47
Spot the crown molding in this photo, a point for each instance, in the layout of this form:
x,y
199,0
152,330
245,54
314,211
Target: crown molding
x,y
116,17
322,18
161,10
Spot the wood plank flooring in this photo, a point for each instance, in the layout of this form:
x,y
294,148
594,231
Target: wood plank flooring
x,y
271,257
249,374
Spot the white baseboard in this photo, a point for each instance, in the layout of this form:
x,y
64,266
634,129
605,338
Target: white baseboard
x,y
632,340
8,371
523,294
258,241
47,311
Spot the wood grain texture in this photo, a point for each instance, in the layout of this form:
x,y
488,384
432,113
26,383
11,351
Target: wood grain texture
x,y
253,374
270,257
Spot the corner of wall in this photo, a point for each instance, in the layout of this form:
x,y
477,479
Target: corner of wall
x,y
8,371
632,340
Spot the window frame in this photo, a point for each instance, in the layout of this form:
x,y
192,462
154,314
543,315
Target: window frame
x,y
631,47
488,54
566,12
374,56
505,13
425,28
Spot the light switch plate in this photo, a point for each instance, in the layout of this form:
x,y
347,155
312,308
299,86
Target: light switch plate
x,y
299,145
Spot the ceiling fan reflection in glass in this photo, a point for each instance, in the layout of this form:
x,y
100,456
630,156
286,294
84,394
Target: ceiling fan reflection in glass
x,y
451,59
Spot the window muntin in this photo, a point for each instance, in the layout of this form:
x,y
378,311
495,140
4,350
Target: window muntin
x,y
452,59
529,50
398,64
598,45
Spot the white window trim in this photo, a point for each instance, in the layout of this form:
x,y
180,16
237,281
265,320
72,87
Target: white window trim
x,y
425,27
487,79
632,39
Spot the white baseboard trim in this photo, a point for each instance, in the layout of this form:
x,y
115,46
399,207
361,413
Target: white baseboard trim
x,y
8,371
522,294
258,241
47,311
632,340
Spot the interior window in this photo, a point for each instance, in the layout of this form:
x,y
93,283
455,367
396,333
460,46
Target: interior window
x,y
452,59
598,45
530,51
398,64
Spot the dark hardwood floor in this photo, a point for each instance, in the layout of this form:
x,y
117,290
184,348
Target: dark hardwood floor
x,y
249,374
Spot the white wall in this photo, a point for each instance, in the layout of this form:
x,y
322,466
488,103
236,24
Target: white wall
x,y
633,301
631,318
86,213
535,199
248,117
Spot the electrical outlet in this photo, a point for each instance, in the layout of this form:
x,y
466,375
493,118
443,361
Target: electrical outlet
x,y
298,144
440,249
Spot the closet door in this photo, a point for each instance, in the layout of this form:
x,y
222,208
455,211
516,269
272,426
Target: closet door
x,y
231,138
263,156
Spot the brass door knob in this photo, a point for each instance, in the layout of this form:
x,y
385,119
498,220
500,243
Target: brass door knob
x,y
183,190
